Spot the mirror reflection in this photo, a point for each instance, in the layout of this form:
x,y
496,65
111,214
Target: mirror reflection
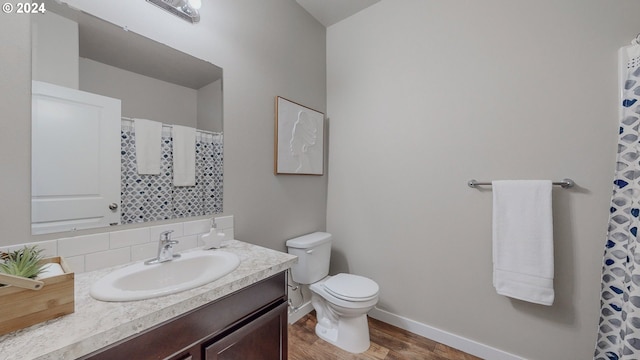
x,y
124,129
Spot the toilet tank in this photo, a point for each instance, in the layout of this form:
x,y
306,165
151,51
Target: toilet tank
x,y
313,252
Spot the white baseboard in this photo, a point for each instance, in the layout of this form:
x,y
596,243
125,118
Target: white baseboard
x,y
469,346
303,310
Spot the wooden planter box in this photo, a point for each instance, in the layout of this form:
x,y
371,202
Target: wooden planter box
x,y
22,307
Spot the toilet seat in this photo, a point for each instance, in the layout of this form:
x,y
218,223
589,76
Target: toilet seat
x,y
351,287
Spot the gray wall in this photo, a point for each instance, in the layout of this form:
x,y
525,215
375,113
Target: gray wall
x,y
210,107
435,93
55,50
15,129
142,96
266,48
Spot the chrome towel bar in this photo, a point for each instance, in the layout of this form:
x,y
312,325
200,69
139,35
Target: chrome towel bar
x,y
565,183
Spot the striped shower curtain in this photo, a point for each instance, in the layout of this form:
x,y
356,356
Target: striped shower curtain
x,y
619,328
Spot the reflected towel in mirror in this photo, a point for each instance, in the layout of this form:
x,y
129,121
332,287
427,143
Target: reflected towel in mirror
x,y
148,142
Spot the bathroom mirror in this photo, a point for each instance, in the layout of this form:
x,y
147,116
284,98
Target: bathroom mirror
x,y
86,70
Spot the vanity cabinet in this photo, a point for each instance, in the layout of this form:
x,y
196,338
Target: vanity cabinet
x,y
248,324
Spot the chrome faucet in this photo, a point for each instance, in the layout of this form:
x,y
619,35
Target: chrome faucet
x,y
165,249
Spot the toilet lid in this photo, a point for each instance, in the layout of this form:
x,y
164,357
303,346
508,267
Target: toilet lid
x,y
351,287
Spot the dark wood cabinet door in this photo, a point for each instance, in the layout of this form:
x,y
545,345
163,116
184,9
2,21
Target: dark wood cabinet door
x,y
265,338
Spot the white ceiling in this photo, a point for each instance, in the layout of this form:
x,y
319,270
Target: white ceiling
x,y
329,12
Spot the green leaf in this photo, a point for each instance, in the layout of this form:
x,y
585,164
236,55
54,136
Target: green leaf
x,y
23,262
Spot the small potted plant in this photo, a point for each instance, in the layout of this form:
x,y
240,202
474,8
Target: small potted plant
x,y
23,262
21,305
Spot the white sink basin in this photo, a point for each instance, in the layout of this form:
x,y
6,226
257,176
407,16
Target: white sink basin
x,y
140,281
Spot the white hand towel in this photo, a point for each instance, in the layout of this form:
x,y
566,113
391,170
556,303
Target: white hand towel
x,y
523,240
184,156
148,146
49,270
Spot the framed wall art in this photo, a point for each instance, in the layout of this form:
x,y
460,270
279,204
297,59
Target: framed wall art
x,y
299,139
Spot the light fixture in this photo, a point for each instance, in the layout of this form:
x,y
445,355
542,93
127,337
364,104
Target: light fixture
x,y
184,9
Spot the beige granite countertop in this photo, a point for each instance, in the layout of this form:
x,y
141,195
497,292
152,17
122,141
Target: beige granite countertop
x,y
96,324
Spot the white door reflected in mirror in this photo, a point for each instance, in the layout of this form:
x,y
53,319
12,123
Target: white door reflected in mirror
x,y
74,186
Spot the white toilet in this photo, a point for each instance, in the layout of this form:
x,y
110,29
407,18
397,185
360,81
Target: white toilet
x,y
341,301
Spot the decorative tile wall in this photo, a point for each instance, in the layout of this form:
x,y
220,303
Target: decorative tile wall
x,y
154,197
99,251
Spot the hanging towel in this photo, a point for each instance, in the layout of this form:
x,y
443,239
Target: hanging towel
x,y
523,240
148,146
184,156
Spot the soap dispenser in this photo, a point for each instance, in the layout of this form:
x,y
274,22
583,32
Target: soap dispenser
x,y
213,239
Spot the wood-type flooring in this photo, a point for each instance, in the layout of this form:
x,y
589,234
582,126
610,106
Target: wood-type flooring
x,y
387,343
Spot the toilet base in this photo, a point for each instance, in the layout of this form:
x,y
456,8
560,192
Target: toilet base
x,y
351,334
